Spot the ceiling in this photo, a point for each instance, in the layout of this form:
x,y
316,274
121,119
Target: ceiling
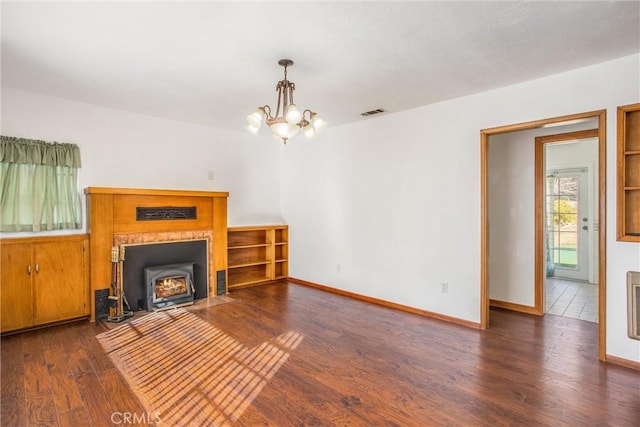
x,y
212,63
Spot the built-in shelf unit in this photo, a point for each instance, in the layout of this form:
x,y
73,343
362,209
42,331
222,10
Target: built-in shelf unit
x,y
629,173
257,254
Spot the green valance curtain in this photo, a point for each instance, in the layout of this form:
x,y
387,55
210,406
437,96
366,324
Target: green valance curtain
x,y
39,185
30,151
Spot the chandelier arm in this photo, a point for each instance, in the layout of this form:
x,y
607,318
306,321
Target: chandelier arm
x,y
292,87
285,96
279,89
267,111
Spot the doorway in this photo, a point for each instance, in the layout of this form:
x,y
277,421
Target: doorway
x,y
539,264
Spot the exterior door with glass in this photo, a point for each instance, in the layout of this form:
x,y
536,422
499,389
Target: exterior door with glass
x,y
567,224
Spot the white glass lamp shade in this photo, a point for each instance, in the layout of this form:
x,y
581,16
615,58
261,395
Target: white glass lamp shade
x,y
309,131
293,114
253,129
284,130
255,119
293,130
317,123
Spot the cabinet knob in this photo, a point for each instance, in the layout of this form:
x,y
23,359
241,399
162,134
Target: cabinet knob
x,y
29,269
37,268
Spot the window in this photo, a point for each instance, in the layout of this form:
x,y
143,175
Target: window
x,y
39,185
562,220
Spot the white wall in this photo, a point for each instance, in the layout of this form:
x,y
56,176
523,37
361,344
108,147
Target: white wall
x,y
123,149
395,200
511,204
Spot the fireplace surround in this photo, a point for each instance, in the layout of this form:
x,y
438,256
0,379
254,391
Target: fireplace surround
x,y
111,220
141,257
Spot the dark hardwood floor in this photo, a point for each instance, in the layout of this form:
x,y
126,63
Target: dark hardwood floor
x,y
357,364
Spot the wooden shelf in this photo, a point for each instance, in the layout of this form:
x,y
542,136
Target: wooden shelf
x,y
262,245
242,283
257,254
249,264
628,194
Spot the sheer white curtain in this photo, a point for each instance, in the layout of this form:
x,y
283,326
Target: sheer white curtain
x,y
39,185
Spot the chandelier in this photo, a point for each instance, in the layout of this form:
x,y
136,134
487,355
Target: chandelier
x,y
288,119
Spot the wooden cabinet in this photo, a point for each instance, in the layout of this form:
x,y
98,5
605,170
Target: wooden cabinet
x,y
628,218
16,296
257,254
43,280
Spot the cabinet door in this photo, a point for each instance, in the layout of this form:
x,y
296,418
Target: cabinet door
x,y
59,289
16,296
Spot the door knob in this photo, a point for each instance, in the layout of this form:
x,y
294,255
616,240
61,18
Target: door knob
x,y
584,227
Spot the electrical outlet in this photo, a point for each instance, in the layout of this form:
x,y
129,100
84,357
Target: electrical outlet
x,y
338,269
210,174
444,288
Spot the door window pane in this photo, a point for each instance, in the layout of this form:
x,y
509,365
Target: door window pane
x,y
562,219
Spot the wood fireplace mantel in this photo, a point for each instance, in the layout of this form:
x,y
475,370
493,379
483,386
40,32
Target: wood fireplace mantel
x,y
112,212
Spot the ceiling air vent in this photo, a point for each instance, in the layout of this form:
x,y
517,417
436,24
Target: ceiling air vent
x,y
372,112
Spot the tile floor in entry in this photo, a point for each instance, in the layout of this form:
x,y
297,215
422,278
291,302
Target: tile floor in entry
x,y
567,298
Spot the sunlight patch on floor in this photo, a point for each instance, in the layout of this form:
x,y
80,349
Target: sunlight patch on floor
x,y
189,372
